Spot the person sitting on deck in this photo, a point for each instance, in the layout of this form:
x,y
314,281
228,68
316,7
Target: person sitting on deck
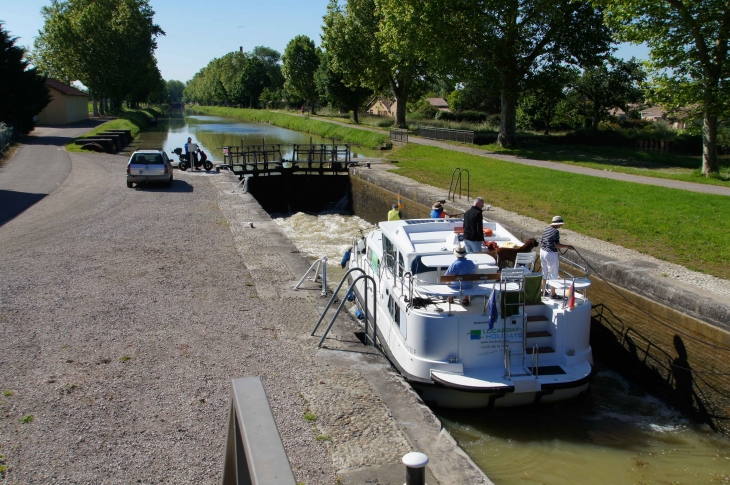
x,y
437,210
461,266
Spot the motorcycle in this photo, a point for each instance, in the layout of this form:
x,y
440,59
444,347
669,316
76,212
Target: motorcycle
x,y
200,159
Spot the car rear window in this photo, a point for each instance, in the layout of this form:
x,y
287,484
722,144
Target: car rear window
x,y
148,158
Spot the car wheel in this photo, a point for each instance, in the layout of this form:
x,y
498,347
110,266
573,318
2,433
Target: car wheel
x,y
129,184
182,166
208,166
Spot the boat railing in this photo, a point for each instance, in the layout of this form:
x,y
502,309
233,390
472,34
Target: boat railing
x,y
572,263
507,362
320,270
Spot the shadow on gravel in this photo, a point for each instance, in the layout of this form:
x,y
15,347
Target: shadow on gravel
x,y
14,203
177,186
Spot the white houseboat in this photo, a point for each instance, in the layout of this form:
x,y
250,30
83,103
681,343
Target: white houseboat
x,y
509,346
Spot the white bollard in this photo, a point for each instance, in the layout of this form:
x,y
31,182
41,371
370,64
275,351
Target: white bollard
x,y
415,463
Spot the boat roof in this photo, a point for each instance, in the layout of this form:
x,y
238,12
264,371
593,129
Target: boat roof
x,y
429,236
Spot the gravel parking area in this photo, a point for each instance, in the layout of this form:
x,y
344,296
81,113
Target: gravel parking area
x,y
124,314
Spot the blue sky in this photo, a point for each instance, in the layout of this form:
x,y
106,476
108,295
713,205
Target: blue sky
x,y
198,31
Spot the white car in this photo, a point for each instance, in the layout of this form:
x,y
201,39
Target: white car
x,y
146,166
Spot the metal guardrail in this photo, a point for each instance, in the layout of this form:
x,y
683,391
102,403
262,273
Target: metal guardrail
x,y
399,134
7,136
461,136
254,452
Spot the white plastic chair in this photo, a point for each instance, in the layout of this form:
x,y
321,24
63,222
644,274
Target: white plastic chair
x,y
526,261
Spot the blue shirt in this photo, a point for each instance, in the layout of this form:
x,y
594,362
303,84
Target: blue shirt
x,y
436,213
461,266
550,237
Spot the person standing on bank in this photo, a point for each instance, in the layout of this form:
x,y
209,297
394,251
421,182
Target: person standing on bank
x,y
474,227
549,260
192,156
394,213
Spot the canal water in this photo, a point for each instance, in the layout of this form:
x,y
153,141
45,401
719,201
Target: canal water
x,y
616,434
213,132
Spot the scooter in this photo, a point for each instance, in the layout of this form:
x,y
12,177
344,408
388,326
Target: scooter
x,y
200,160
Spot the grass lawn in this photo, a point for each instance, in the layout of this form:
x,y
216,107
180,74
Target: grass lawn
x,y
128,119
651,164
682,227
300,123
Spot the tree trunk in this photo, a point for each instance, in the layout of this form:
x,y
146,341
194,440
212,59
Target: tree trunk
x,y
709,144
311,103
96,107
102,106
354,115
401,98
508,123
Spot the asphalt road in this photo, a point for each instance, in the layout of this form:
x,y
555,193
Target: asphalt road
x,y
37,168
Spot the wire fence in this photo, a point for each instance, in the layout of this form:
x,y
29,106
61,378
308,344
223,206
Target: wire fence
x,y
7,136
461,136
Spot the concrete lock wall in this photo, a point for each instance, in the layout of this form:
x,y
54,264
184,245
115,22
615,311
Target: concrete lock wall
x,y
674,347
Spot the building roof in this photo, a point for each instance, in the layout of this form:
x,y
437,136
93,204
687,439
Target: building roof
x,y
440,103
64,88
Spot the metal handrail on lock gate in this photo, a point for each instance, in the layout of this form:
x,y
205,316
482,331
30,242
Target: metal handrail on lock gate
x,y
321,265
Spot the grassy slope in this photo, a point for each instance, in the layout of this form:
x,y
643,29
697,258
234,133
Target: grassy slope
x,y
650,164
294,122
682,227
129,119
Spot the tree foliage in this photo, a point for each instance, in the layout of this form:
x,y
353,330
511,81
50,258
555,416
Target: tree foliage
x,y
545,90
108,45
24,91
175,90
688,42
333,88
300,62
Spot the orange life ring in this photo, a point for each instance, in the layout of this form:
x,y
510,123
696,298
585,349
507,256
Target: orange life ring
x,y
488,232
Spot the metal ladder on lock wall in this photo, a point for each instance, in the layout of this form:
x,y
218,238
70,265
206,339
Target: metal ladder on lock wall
x,y
511,288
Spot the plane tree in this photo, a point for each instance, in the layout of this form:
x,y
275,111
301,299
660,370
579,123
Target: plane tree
x,y
688,46
300,62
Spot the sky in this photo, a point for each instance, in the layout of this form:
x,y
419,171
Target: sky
x,y
199,31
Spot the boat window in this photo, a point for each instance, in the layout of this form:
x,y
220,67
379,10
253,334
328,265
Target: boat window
x,y
394,310
389,254
373,260
401,265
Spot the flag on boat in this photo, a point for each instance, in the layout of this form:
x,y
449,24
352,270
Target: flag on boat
x,y
492,309
400,202
571,296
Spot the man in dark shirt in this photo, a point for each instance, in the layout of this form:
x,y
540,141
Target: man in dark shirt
x,y
474,227
549,245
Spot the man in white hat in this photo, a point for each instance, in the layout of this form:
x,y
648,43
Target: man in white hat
x,y
549,245
461,266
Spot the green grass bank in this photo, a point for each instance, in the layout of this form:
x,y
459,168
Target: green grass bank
x,y
687,228
134,120
300,123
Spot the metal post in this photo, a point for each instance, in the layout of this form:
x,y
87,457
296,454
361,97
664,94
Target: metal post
x,y
324,276
415,463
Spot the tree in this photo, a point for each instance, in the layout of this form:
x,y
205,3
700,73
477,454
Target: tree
x,y
254,77
373,43
272,60
108,45
612,84
301,60
544,92
24,91
690,38
175,90
332,87
507,40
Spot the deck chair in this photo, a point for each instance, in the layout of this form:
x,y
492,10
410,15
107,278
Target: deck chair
x,y
525,261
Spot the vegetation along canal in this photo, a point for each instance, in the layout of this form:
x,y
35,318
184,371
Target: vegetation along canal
x,y
212,132
616,434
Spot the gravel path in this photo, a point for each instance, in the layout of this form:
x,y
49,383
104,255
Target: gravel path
x,y
125,313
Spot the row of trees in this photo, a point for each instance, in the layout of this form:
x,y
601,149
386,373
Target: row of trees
x,y
108,45
509,47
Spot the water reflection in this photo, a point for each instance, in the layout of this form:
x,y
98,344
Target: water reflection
x,y
211,132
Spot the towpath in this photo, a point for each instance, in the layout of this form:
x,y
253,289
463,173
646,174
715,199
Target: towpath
x,y
563,167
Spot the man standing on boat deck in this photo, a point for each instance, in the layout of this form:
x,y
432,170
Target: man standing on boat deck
x,y
474,227
394,213
461,266
549,260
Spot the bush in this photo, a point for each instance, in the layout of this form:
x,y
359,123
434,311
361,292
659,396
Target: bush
x,y
462,116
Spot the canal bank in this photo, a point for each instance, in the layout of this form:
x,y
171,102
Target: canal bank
x,y
671,335
364,412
